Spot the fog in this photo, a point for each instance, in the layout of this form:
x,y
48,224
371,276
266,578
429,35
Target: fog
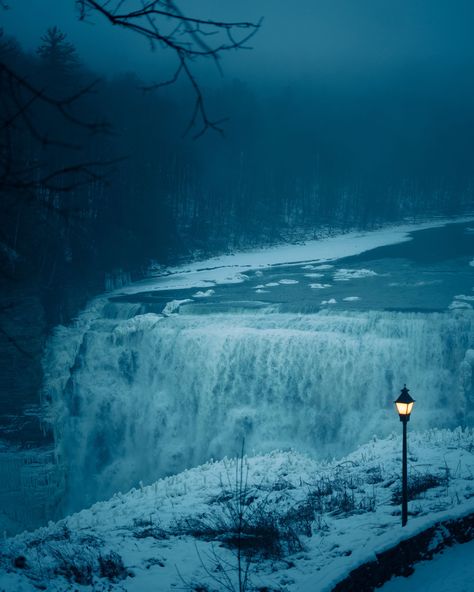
x,y
340,114
297,40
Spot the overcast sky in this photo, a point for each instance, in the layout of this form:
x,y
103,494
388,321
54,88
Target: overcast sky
x,y
298,37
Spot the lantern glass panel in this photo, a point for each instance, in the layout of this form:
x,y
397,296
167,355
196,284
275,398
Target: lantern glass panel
x,y
404,408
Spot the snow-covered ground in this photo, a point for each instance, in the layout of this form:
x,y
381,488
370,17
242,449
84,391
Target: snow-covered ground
x,y
227,269
313,522
451,571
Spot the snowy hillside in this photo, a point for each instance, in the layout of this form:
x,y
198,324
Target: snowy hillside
x,y
304,525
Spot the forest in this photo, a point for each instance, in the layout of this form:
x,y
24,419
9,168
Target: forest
x,y
107,184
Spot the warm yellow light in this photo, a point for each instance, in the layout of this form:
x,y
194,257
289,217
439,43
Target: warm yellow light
x,y
404,408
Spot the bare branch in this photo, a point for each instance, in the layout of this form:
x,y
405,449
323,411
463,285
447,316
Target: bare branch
x,y
163,23
61,104
18,100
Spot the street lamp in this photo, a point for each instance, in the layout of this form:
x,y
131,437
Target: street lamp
x,y
404,405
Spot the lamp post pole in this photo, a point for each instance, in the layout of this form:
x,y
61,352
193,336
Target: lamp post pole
x,y
404,474
404,405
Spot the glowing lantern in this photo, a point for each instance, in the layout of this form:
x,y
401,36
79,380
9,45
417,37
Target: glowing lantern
x,y
404,404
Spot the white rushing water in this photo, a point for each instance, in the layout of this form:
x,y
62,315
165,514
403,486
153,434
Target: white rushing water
x,y
138,397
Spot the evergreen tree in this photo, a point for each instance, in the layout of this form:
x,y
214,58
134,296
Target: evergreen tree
x,y
57,54
9,48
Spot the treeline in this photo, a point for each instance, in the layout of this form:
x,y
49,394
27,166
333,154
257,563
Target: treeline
x,y
100,180
87,175
350,150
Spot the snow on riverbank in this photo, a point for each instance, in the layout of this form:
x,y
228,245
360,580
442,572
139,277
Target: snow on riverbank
x,y
328,519
451,571
227,269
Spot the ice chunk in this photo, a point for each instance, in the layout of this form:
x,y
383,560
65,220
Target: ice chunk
x,y
288,282
457,304
344,275
319,286
172,307
203,294
323,266
330,301
427,283
351,298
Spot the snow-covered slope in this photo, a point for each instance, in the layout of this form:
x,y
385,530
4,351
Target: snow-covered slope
x,y
307,524
451,571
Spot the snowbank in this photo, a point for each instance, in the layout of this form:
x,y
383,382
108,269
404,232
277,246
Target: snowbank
x,y
152,538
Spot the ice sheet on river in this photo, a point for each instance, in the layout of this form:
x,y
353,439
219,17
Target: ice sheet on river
x,y
227,269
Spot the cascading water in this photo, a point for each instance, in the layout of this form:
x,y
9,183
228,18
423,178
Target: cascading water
x,y
137,396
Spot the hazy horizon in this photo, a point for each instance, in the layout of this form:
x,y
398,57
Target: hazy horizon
x,y
337,38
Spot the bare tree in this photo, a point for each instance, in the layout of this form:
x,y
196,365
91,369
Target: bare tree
x,y
24,106
164,25
29,176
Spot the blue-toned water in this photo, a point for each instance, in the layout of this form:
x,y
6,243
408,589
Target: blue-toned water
x,y
308,356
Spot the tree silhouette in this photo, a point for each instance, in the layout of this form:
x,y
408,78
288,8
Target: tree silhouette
x,y
166,27
56,53
47,155
55,50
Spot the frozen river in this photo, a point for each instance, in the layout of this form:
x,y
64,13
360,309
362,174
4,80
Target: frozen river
x,y
426,273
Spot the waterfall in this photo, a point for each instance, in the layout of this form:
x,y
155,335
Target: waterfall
x,y
133,397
